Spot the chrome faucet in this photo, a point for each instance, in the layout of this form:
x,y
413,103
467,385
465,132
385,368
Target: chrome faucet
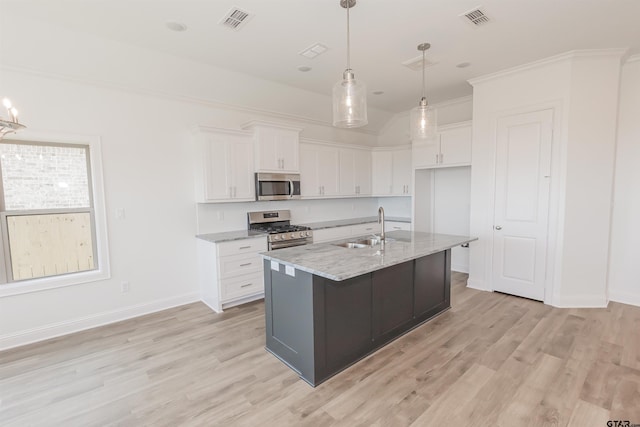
x,y
381,222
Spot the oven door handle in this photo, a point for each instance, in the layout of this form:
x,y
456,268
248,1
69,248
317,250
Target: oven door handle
x,y
289,244
290,188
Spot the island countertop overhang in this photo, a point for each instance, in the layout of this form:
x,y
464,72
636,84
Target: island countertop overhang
x,y
339,263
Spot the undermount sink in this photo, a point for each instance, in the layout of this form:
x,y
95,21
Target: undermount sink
x,y
360,243
352,245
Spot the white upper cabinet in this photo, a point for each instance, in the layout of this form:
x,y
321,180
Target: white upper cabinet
x,y
276,147
224,165
355,172
382,173
401,172
318,170
391,172
451,148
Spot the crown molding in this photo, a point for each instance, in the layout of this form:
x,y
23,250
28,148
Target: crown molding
x,y
633,58
253,123
205,128
454,101
586,53
335,144
176,97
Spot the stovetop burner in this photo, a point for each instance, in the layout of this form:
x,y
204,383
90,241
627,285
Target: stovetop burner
x,y
273,229
278,225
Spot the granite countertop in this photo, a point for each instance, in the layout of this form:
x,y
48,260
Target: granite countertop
x,y
229,236
352,221
338,263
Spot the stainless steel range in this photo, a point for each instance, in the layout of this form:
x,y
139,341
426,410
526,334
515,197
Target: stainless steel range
x,y
278,225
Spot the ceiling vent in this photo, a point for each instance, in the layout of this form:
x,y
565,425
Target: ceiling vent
x,y
476,17
415,64
235,19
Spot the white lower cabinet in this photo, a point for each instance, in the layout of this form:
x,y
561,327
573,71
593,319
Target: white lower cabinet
x,y
331,234
365,229
230,273
397,225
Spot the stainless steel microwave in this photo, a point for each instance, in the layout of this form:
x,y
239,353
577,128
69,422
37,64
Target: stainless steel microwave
x,y
277,186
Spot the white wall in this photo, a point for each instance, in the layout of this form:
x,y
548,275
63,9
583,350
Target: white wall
x,y
143,105
624,268
582,166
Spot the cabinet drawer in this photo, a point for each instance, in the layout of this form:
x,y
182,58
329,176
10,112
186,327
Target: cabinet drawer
x,y
393,225
362,229
242,246
240,286
235,265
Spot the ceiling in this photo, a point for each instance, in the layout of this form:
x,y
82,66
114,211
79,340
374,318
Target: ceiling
x,y
384,33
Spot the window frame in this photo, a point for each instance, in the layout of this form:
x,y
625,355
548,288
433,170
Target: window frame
x,y
97,211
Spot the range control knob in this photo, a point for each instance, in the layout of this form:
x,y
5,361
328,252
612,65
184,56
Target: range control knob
x,y
293,235
276,237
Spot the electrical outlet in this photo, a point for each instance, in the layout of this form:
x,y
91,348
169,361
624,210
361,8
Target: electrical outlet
x,y
126,287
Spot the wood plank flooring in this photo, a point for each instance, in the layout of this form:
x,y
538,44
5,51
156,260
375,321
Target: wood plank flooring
x,y
492,360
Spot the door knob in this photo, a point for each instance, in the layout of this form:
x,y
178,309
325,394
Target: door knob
x,y
497,227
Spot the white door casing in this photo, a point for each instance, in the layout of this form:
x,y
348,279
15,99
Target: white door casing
x,y
521,212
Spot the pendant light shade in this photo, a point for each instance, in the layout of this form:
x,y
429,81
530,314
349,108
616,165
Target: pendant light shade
x,y
349,94
423,119
349,102
423,122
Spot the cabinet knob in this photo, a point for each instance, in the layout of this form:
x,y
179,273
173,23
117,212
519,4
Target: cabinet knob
x,y
498,227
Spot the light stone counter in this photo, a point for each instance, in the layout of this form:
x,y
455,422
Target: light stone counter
x,y
229,236
338,263
351,221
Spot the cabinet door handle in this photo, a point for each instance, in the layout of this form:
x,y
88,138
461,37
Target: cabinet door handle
x,y
235,192
437,158
244,247
441,157
248,284
246,264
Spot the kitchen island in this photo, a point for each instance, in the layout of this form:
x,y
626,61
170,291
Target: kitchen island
x,y
328,306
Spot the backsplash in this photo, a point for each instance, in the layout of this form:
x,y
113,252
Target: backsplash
x,y
219,217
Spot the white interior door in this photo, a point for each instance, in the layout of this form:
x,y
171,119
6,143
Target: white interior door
x,y
523,168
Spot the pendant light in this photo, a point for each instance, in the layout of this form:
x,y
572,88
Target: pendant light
x,y
11,124
423,117
349,94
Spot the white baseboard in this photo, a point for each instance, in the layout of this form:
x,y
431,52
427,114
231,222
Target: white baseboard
x,y
579,301
477,284
625,297
460,268
63,328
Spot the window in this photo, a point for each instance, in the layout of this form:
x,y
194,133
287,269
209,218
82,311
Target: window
x,y
52,232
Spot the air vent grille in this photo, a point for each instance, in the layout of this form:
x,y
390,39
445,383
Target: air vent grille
x,y
235,18
415,64
476,17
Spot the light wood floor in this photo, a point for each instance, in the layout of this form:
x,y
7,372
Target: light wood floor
x,y
492,360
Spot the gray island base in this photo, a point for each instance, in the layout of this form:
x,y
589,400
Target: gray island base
x,y
322,318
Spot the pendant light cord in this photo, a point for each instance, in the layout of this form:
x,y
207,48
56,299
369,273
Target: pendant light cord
x,y
348,40
423,73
